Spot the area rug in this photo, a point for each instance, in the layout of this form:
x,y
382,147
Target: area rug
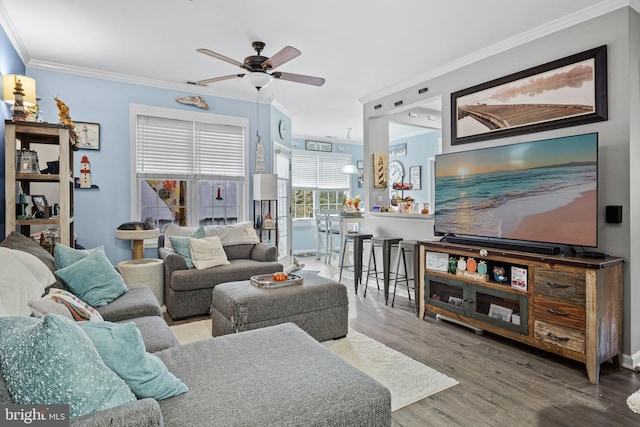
x,y
633,402
407,379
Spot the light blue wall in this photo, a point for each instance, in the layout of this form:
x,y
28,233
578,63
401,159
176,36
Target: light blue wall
x,y
419,149
304,232
99,212
10,63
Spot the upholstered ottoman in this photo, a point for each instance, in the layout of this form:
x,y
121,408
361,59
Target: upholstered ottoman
x,y
319,306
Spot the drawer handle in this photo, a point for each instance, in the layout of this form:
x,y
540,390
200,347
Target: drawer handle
x,y
557,338
558,285
558,313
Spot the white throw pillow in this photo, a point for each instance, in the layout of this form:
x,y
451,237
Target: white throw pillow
x,y
175,230
23,277
207,252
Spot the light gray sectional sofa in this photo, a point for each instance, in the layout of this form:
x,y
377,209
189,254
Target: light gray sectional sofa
x,y
273,376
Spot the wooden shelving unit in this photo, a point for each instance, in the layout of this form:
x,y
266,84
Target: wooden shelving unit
x,y
571,306
29,136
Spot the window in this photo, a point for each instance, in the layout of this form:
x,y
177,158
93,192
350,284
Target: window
x,y
189,167
318,182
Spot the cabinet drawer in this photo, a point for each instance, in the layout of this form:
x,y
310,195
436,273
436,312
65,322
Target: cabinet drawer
x,y
568,285
559,336
559,312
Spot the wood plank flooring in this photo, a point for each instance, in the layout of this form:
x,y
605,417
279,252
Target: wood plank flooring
x,y
501,383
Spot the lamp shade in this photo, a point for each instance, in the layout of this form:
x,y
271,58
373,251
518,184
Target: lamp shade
x,y
28,85
258,79
349,169
265,186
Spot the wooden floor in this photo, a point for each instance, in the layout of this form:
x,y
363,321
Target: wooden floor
x,y
501,383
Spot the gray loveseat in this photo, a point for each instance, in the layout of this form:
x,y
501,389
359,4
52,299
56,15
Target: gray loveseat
x,y
188,291
274,376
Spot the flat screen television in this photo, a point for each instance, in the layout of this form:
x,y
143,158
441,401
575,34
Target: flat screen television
x,y
540,191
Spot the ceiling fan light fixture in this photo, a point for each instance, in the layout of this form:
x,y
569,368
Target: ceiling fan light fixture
x,y
258,79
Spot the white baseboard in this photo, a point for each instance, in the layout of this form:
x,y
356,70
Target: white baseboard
x,y
631,361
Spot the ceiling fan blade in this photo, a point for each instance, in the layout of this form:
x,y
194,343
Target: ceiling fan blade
x,y
217,79
299,78
221,57
285,54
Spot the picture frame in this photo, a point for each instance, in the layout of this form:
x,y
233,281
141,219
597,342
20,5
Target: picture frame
x,y
437,261
415,177
40,206
88,135
566,92
398,150
380,170
499,312
360,164
455,301
318,146
519,278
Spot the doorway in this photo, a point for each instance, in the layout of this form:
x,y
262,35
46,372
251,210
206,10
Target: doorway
x,y
282,167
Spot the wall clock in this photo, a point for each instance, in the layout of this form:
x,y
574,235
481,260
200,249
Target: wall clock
x,y
396,172
282,129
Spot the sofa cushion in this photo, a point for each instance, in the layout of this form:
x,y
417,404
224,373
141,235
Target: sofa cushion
x,y
138,301
275,376
121,347
172,230
233,234
23,277
207,252
237,269
64,256
66,304
53,361
93,279
155,333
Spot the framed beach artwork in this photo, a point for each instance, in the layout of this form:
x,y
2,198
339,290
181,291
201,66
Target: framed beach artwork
x,y
566,92
89,135
380,170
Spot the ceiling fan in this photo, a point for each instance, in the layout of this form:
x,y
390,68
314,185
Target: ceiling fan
x,y
260,68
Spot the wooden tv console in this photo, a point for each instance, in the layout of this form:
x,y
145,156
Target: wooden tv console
x,y
572,306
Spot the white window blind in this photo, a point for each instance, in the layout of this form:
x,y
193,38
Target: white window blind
x,y
319,171
188,149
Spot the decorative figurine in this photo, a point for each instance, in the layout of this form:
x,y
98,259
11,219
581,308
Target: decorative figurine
x,y
499,274
482,267
462,264
471,265
453,265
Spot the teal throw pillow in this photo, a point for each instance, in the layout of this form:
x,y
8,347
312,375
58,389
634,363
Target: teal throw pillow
x,y
93,279
64,256
51,361
181,245
122,349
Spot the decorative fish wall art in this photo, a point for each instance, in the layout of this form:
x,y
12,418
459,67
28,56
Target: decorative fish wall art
x,y
198,101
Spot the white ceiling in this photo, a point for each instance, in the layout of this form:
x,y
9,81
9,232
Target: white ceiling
x,y
363,48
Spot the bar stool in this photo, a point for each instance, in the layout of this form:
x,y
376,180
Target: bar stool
x,y
335,228
322,231
386,243
404,247
358,240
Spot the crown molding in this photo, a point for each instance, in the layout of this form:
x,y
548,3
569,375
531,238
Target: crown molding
x,y
125,78
12,34
536,33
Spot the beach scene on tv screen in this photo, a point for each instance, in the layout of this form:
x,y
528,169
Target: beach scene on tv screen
x,y
542,191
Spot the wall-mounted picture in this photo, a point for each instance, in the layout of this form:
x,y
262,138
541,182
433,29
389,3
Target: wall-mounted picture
x,y
360,164
89,135
398,150
415,176
380,173
566,92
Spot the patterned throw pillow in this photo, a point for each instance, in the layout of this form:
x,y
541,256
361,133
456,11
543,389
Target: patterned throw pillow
x,y
93,279
52,360
122,349
65,304
207,252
